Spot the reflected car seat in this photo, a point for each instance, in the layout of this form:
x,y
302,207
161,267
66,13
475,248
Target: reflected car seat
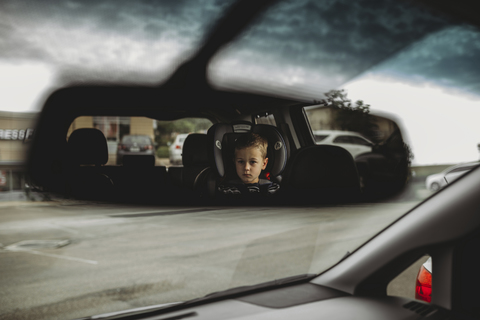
x,y
87,151
321,173
196,166
221,138
195,160
140,179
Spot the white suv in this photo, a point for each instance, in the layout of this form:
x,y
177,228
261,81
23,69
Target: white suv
x,y
439,180
353,142
175,150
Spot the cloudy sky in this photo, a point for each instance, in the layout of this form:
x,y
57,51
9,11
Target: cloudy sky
x,y
52,43
406,62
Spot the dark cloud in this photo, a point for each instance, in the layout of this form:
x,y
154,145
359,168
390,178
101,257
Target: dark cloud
x,y
318,45
333,41
13,45
98,41
23,20
450,58
356,35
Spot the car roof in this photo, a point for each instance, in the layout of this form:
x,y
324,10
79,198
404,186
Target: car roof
x,y
461,165
339,133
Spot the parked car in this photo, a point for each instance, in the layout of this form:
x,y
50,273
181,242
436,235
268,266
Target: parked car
x,y
175,149
319,248
135,145
437,181
353,142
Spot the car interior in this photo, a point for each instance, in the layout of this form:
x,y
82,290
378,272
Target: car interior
x,y
207,161
445,226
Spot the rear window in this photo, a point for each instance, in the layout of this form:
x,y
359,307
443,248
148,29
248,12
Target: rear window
x,y
265,118
320,137
152,136
351,140
136,139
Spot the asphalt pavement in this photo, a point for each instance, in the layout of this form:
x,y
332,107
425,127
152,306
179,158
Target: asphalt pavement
x,y
65,259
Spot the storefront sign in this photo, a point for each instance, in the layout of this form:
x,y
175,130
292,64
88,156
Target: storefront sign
x,y
14,134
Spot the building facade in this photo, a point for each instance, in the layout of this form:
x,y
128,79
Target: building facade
x,y
16,133
17,130
114,128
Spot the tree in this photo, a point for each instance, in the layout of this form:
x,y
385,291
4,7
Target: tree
x,y
168,130
350,117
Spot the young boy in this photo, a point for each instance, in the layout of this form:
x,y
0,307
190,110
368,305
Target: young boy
x,y
250,159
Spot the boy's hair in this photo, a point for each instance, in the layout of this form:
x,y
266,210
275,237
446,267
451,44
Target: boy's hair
x,y
252,140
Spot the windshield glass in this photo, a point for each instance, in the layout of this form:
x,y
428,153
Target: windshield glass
x,y
411,64
394,87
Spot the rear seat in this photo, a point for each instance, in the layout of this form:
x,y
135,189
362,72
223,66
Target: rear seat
x,y
321,173
191,177
83,166
139,178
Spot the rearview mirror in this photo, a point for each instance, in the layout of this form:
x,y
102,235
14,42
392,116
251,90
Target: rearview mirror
x,y
375,142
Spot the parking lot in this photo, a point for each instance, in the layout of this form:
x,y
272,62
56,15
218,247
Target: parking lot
x,y
115,257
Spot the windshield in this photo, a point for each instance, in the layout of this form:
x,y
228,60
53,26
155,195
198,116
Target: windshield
x,y
394,87
408,63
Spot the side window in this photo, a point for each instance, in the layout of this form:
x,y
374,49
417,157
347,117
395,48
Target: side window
x,y
142,136
343,139
360,141
171,135
351,140
320,137
415,282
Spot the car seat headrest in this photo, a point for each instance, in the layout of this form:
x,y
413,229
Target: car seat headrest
x,y
195,149
87,146
216,149
222,138
322,166
276,151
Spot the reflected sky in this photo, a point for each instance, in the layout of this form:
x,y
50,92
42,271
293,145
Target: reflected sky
x,y
376,49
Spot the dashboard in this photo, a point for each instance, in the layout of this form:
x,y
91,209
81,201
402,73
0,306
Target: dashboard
x,y
301,301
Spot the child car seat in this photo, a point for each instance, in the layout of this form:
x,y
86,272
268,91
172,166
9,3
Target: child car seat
x,y
221,137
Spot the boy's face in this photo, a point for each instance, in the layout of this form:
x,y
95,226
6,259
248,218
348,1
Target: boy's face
x,y
249,164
